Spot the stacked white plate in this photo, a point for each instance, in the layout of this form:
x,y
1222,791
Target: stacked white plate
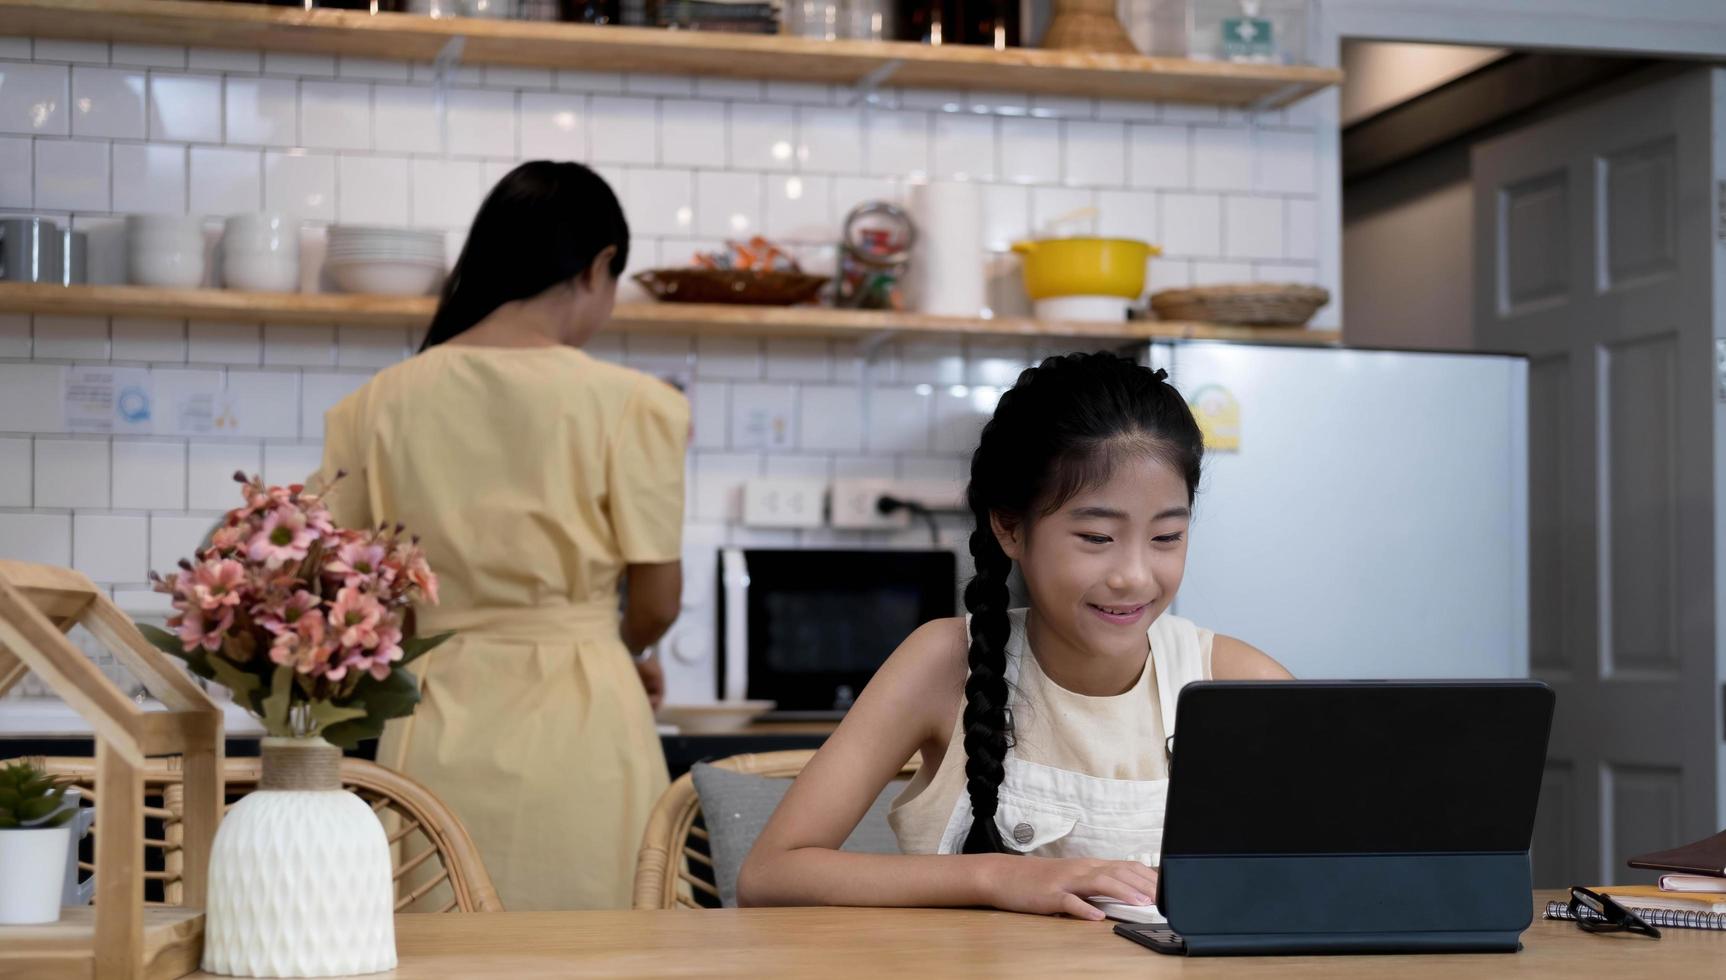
x,y
391,261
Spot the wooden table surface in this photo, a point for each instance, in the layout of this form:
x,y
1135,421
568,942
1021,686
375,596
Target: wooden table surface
x,y
840,943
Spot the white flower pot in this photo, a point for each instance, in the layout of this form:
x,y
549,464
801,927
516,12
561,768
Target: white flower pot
x,y
32,874
300,880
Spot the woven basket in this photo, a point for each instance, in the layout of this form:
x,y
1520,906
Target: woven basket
x,y
741,286
1087,25
1254,304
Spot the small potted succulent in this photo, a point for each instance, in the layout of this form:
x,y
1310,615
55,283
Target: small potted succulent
x,y
33,842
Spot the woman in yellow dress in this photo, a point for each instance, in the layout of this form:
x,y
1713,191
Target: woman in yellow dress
x,y
540,481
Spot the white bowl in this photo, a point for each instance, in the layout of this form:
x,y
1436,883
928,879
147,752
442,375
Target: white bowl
x,y
385,278
344,248
712,719
371,259
270,221
164,225
360,236
1101,309
267,273
179,268
428,248
262,233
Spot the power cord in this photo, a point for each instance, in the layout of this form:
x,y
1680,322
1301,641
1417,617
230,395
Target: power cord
x,y
890,505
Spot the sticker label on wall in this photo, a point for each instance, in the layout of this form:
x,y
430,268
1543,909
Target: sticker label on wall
x,y
1248,39
109,399
201,413
1219,417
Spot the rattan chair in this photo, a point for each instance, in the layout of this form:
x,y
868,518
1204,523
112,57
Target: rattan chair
x,y
677,839
437,867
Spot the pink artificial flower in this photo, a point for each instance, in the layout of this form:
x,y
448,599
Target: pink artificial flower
x,y
360,560
375,661
355,618
217,584
318,516
227,538
282,616
195,631
389,648
418,572
284,537
307,648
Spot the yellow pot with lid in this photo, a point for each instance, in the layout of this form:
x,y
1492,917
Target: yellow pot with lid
x,y
1085,266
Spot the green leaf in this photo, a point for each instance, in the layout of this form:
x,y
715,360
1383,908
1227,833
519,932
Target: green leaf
x,y
393,697
416,647
349,734
35,809
196,659
275,707
327,713
162,640
57,820
243,684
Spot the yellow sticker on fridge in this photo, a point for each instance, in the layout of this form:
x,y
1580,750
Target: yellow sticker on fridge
x,y
1219,418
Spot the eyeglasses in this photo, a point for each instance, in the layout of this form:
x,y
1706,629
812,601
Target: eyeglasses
x,y
1595,912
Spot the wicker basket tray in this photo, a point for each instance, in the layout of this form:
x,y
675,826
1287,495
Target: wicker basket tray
x,y
1253,304
741,286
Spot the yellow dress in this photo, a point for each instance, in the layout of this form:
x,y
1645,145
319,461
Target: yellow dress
x,y
532,476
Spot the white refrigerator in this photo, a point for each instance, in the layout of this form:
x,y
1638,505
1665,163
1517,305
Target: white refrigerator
x,y
1373,521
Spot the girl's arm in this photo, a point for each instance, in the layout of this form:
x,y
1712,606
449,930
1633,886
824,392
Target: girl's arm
x,y
909,705
1233,660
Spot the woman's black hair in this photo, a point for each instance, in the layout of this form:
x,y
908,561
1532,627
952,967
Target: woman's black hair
x,y
1059,430
543,224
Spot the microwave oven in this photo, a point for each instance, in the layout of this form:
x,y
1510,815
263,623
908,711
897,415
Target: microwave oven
x,y
808,628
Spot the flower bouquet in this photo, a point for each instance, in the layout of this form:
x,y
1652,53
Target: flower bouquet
x,y
306,623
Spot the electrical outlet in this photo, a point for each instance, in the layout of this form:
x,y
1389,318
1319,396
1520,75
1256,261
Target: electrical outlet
x,y
854,505
783,503
937,495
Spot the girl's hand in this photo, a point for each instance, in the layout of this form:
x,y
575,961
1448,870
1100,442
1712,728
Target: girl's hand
x,y
1049,886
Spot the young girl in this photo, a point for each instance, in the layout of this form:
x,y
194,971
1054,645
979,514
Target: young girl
x,y
1043,730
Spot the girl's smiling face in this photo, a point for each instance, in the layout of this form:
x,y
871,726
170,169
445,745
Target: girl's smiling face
x,y
1108,562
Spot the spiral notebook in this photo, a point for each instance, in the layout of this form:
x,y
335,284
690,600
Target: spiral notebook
x,y
1662,918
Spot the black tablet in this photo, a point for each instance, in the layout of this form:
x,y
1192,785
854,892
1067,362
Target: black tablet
x,y
1363,816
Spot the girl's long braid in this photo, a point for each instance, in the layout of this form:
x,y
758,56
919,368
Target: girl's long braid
x,y
988,733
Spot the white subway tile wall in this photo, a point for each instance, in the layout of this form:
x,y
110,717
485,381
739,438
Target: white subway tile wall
x,y
90,132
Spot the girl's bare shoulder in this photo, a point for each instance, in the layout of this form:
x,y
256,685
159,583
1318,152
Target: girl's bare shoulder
x,y
1236,660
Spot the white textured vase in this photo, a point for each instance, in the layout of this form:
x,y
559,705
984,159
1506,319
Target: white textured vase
x,y
300,880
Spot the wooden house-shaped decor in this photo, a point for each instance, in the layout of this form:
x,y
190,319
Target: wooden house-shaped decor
x,y
120,939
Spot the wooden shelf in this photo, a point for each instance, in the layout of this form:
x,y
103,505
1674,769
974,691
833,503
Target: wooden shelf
x,y
173,942
638,318
414,37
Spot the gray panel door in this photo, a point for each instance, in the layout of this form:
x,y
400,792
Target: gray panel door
x,y
1596,257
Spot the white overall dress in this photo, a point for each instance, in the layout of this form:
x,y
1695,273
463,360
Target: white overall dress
x,y
1086,776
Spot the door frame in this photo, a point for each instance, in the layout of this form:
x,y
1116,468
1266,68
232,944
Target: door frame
x,y
1672,29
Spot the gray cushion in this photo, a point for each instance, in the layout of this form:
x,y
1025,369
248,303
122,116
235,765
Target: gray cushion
x,y
736,807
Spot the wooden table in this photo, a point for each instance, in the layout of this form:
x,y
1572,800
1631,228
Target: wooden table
x,y
916,943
